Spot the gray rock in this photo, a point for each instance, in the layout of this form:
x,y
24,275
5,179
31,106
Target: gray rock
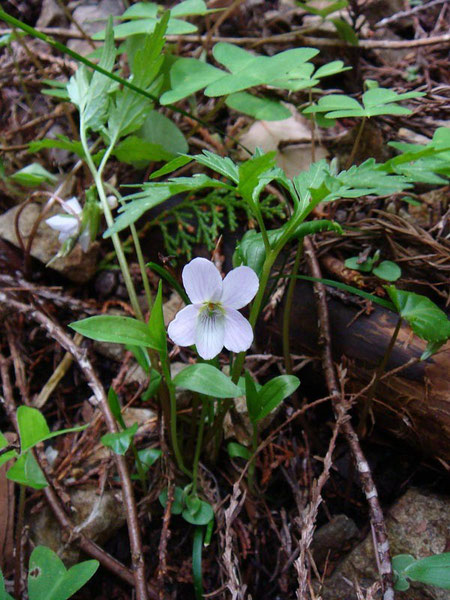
x,y
418,524
97,516
77,266
92,17
51,14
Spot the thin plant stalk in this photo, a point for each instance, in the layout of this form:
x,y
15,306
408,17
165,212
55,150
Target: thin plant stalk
x,y
198,445
173,416
97,175
139,253
18,553
351,158
288,309
251,467
362,426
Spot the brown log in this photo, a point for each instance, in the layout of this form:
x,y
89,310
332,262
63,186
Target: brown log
x,y
413,403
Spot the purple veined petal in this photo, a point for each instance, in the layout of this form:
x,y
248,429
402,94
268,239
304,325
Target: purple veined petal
x,y
238,331
64,223
202,281
239,287
209,334
72,206
182,329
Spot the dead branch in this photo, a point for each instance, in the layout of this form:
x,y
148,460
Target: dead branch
x,y
362,466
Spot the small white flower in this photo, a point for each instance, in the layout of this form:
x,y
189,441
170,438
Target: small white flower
x,y
69,225
212,320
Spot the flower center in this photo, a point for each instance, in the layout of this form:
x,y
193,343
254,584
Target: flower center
x,y
212,309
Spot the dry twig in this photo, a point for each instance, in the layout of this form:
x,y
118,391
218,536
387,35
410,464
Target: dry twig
x,y
362,466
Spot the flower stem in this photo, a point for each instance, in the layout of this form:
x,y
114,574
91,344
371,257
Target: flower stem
x,y
97,175
288,308
251,468
173,416
198,446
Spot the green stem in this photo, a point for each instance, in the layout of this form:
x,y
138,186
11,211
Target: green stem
x,y
362,428
139,254
18,553
97,175
198,446
288,309
139,466
173,416
251,468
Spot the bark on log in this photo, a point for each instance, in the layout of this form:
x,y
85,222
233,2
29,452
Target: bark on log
x,y
414,403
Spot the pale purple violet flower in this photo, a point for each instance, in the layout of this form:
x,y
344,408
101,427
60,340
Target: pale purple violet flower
x,y
212,320
69,225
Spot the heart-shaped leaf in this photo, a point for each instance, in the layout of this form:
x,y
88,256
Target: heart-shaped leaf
x,y
426,319
120,442
48,578
27,472
432,570
197,512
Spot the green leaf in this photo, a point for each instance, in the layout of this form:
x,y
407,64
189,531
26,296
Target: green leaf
x,y
48,578
345,31
33,428
432,570
273,393
351,289
135,151
197,512
133,210
171,166
3,593
323,12
141,357
33,175
115,407
206,379
426,319
247,70
223,165
363,267
260,108
153,386
178,502
6,456
388,271
191,7
27,472
250,173
148,456
251,398
238,451
129,109
156,323
119,330
187,76
120,442
97,100
162,131
62,142
251,251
